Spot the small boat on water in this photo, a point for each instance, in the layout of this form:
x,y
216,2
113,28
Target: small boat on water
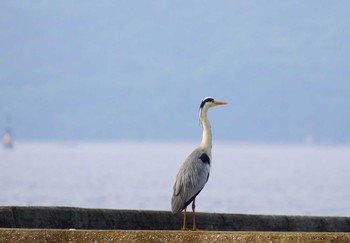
x,y
7,140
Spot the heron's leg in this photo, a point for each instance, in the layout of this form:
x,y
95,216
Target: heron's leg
x,y
194,226
184,223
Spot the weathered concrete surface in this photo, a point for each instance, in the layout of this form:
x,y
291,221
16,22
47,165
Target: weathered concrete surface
x,y
42,235
82,218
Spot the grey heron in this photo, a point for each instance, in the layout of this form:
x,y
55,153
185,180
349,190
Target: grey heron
x,y
194,172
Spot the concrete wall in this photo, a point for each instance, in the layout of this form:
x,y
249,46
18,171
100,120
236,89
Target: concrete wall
x,y
82,218
39,235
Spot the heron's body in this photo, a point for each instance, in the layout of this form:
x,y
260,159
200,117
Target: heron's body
x,y
190,180
194,172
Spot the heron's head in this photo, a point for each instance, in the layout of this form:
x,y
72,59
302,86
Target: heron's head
x,y
209,102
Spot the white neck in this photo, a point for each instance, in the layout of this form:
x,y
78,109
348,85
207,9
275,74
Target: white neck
x,y
206,143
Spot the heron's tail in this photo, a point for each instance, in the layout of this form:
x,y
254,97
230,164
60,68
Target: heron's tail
x,y
176,205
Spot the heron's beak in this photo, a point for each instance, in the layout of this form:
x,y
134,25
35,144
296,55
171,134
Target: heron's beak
x,y
220,102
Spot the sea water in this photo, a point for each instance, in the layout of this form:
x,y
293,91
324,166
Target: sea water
x,y
245,178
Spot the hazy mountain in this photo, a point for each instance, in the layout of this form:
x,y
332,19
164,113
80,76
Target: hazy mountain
x,y
121,70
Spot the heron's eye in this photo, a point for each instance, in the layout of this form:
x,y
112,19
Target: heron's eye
x,y
206,100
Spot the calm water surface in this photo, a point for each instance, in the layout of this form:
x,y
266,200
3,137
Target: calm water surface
x,y
245,178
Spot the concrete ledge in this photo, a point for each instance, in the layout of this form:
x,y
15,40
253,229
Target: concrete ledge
x,y
35,235
106,219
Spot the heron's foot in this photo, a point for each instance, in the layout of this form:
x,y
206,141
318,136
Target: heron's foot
x,y
183,228
196,229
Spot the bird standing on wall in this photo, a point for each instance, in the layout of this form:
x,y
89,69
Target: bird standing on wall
x,y
194,172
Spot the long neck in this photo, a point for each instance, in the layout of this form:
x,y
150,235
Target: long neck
x,y
207,136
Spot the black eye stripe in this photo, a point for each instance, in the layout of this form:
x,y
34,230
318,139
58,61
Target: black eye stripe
x,y
209,99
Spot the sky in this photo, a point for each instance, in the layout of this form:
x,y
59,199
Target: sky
x,y
122,70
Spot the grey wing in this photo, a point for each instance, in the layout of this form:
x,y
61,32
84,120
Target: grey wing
x,y
190,180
